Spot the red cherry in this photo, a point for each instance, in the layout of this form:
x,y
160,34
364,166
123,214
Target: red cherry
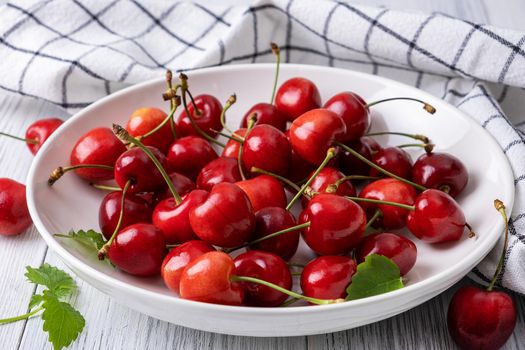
x,y
189,155
173,220
138,250
441,171
297,96
394,159
268,267
390,190
314,132
299,168
178,258
183,186
40,132
337,224
232,146
209,119
437,218
225,218
266,148
208,279
136,166
273,219
97,146
144,120
266,114
350,165
223,169
329,176
14,215
264,191
354,113
480,319
399,249
327,277
136,210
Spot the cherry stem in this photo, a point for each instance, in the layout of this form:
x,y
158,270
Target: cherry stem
x,y
300,266
104,187
197,110
174,102
290,293
105,248
60,171
288,302
284,180
170,246
445,188
277,52
377,214
471,231
332,188
169,118
378,201
270,236
329,155
124,136
429,147
419,137
231,100
378,168
251,124
21,317
233,136
426,106
501,208
31,141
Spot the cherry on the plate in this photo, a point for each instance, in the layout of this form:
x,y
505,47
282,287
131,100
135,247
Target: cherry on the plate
x,y
232,146
183,185
225,218
353,111
138,250
399,249
263,191
266,114
207,118
350,165
223,169
330,176
38,132
177,260
442,171
297,96
268,267
14,215
327,277
146,119
393,159
188,155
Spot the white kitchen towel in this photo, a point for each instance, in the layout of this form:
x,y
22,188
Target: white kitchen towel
x,y
72,52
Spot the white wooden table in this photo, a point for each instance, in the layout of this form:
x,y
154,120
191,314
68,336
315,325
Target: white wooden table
x,y
111,326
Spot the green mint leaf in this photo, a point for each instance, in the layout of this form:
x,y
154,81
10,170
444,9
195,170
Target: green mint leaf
x,y
36,300
90,238
61,321
376,275
55,280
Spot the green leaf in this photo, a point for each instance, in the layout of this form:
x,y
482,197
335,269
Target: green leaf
x,y
36,300
61,321
90,238
376,275
55,280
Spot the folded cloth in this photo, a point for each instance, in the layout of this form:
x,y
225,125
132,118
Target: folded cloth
x,y
71,53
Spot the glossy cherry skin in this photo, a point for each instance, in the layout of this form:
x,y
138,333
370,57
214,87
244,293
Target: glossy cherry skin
x,y
177,260
183,185
354,113
223,169
394,159
350,165
135,165
390,190
266,148
14,215
225,218
189,155
437,218
97,146
40,131
479,319
439,170
337,224
326,177
297,96
208,279
173,220
232,146
267,267
299,168
266,114
399,249
138,250
314,132
273,219
145,119
264,191
210,117
136,210
327,277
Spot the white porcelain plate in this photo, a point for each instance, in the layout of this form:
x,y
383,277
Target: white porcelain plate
x,y
72,204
